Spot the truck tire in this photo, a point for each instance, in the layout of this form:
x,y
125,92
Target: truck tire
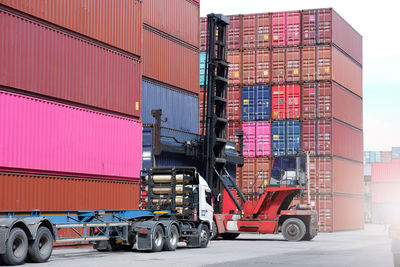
x,y
171,242
158,239
214,232
204,235
293,229
16,247
41,248
229,236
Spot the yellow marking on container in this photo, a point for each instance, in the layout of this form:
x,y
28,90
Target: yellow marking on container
x,y
161,212
275,37
327,69
245,101
265,73
265,182
266,37
276,137
137,105
236,74
296,71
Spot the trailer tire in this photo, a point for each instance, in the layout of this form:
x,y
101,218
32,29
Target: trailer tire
x,y
41,248
158,239
293,229
171,242
16,247
204,235
229,236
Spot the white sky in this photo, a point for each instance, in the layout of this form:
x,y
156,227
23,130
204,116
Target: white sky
x,y
379,24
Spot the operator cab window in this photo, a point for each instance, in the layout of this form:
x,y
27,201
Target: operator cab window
x,y
208,198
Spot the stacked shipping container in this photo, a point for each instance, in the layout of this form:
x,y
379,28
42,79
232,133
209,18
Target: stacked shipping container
x,y
70,94
300,74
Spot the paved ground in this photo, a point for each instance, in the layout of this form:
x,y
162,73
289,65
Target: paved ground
x,y
370,247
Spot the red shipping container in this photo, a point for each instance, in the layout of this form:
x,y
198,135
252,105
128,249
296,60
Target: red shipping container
x,y
348,212
234,32
47,61
386,156
387,193
249,67
117,23
203,34
286,64
178,18
256,173
386,172
167,61
286,101
263,30
278,65
249,31
323,26
286,28
323,205
309,100
26,192
263,66
53,138
234,59
231,129
278,102
308,136
233,104
327,63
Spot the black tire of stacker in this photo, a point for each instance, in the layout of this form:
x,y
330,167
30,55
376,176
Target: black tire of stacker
x,y
214,231
308,237
158,239
204,235
293,229
16,247
171,241
229,236
40,249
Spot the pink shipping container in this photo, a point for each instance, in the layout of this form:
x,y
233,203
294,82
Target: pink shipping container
x,y
179,18
386,172
117,23
249,139
43,60
286,28
286,101
54,138
263,138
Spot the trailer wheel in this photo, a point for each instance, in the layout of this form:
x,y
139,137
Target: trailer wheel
x,y
171,242
16,247
158,239
204,235
229,236
41,248
293,229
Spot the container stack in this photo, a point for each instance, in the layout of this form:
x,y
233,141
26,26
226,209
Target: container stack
x,y
298,78
70,94
382,184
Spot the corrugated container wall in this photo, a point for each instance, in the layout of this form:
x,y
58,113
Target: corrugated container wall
x,y
348,213
116,23
25,192
54,138
256,102
180,108
179,18
45,60
386,172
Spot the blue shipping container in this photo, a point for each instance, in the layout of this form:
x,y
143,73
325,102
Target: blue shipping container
x,y
202,68
181,109
286,136
396,152
256,102
367,157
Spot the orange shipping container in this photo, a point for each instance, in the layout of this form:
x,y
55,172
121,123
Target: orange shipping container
x,y
256,173
385,192
24,192
117,23
179,18
170,62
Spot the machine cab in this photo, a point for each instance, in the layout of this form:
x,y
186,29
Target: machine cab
x,y
206,210
288,171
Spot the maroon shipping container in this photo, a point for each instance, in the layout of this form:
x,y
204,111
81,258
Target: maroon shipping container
x,y
203,34
249,67
179,18
249,31
286,28
323,26
263,66
286,64
263,30
329,100
385,192
278,65
348,212
324,62
40,59
331,137
233,103
231,129
256,173
25,192
323,205
234,59
117,23
386,172
170,62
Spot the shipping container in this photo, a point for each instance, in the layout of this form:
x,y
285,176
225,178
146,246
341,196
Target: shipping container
x,y
388,192
348,212
256,173
386,172
286,28
249,139
203,34
25,192
179,18
249,67
168,61
249,31
234,59
383,212
256,102
329,100
285,137
286,101
323,205
367,169
263,30
203,78
372,156
118,24
256,138
286,65
386,156
54,138
181,109
331,137
325,26
231,129
46,60
396,152
325,62
263,66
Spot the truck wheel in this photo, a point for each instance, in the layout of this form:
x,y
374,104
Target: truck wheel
x,y
214,232
16,247
158,239
171,242
229,236
41,248
204,235
293,229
